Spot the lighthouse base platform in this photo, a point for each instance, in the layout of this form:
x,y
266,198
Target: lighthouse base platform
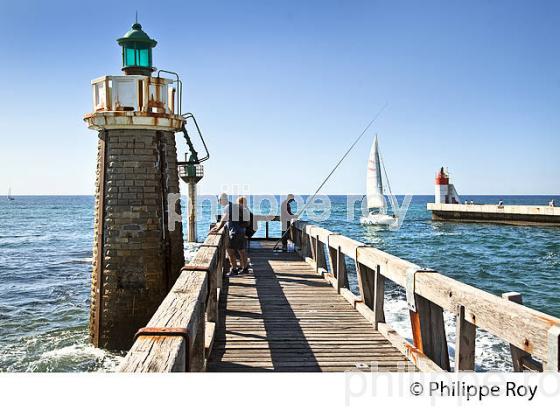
x,y
506,214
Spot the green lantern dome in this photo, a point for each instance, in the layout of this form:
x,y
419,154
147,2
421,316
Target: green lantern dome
x,y
137,51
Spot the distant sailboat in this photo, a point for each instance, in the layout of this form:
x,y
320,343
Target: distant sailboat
x,y
376,202
10,197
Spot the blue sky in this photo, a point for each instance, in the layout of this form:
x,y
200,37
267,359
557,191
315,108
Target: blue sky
x,y
281,89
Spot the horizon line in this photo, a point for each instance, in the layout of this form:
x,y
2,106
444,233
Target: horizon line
x,y
309,194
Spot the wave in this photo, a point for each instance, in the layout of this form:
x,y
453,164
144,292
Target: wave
x,y
32,235
68,350
492,354
81,261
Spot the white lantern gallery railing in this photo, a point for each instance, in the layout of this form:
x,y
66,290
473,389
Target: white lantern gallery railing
x,y
153,95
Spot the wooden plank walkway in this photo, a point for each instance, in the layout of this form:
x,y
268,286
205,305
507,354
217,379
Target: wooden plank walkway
x,y
283,316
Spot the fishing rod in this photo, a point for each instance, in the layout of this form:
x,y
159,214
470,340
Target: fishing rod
x,y
333,170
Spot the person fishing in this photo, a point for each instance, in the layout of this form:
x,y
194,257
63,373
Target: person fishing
x,y
236,219
310,199
286,213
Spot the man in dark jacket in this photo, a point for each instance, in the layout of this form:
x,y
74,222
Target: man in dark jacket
x,y
236,219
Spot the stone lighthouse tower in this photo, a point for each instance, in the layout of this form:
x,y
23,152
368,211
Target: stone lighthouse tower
x,y
138,243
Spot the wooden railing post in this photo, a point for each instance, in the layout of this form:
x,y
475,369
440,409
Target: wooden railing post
x,y
295,236
331,255
212,308
553,358
465,341
366,280
517,354
321,261
305,243
378,298
215,279
197,359
313,249
341,272
338,265
428,331
222,262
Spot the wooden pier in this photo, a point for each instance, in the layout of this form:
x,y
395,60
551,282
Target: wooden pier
x,y
284,316
295,312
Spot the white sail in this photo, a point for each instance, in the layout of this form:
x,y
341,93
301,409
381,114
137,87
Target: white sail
x,y
375,198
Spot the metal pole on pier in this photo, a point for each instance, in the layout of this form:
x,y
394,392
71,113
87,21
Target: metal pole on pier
x,y
191,231
191,171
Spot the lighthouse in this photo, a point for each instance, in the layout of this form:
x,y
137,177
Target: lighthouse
x,y
445,191
138,242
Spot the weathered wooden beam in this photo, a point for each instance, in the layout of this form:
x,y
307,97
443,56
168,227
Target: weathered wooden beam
x,y
341,271
428,330
215,274
220,269
465,341
332,258
209,333
378,297
366,284
306,244
320,257
531,364
212,308
416,356
349,296
314,241
553,357
197,356
517,354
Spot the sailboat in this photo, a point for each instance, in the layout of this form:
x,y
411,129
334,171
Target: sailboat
x,y
376,202
10,197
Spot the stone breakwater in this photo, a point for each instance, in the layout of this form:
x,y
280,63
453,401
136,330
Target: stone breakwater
x,y
508,214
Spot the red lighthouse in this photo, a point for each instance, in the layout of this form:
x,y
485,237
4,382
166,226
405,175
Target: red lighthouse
x,y
445,192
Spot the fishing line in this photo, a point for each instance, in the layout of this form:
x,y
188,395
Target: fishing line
x,y
309,201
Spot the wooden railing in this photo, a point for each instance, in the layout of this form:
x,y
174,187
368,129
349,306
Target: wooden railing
x,y
533,336
190,310
187,317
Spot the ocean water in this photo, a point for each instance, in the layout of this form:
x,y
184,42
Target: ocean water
x,y
45,268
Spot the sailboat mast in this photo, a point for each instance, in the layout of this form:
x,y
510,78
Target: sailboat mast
x,y
378,167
